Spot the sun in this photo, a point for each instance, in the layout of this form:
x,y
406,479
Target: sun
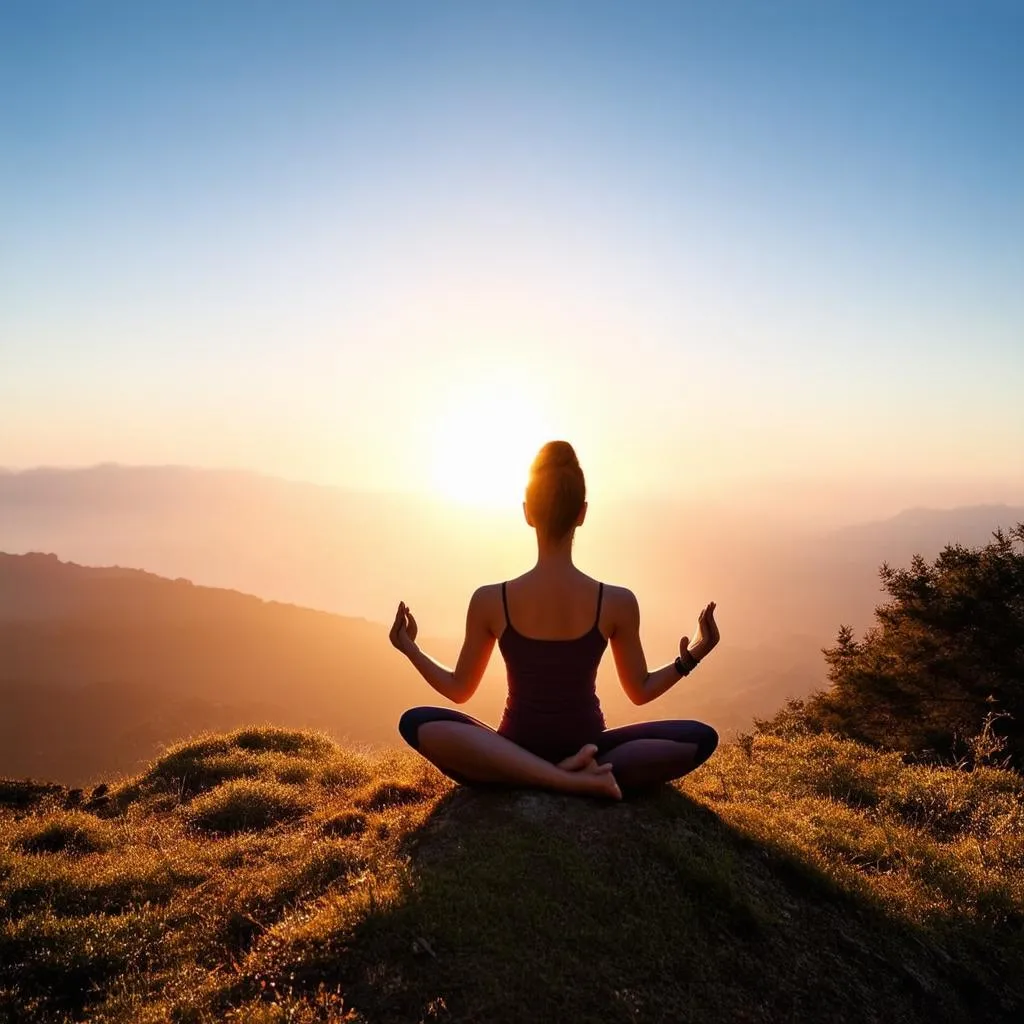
x,y
483,446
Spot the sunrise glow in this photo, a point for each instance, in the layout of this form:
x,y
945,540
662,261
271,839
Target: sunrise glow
x,y
483,445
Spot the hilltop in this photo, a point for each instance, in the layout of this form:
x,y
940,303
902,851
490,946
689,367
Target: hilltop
x,y
268,875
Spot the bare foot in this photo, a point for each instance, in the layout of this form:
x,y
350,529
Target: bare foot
x,y
591,778
599,783
581,759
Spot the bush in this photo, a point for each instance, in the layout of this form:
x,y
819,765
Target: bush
x,y
941,674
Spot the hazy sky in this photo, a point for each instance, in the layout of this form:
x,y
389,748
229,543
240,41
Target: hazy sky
x,y
394,245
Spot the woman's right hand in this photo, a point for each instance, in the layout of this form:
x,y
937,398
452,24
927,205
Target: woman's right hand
x,y
707,635
403,632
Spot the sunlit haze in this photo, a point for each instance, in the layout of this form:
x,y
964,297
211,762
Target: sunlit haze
x,y
486,431
394,246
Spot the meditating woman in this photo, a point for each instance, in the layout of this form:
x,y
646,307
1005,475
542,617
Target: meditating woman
x,y
552,625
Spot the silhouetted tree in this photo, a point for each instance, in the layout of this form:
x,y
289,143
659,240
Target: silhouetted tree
x,y
942,670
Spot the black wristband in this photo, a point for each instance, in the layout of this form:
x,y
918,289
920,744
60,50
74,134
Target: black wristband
x,y
685,667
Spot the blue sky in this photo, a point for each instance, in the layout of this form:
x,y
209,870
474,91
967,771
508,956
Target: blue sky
x,y
730,240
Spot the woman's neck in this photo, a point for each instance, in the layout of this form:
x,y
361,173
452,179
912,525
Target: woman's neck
x,y
554,554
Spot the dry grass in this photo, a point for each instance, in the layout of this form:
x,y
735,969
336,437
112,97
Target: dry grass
x,y
70,832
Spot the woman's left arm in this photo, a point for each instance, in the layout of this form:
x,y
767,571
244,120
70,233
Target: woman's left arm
x,y
460,683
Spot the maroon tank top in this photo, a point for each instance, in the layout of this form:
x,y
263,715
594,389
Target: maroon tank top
x,y
552,706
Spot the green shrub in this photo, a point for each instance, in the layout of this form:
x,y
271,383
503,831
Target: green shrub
x,y
939,674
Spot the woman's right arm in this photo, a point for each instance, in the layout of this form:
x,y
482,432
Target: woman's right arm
x,y
460,683
640,684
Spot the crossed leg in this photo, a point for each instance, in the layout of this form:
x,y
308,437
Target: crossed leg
x,y
649,753
633,756
472,753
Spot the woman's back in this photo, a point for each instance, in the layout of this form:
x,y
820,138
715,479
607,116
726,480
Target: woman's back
x,y
553,605
552,645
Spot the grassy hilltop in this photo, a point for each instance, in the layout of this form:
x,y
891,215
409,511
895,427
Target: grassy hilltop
x,y
270,876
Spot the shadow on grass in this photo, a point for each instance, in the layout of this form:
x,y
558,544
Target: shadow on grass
x,y
526,906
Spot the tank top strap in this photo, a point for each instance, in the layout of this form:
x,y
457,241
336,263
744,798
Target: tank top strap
x,y
504,601
600,596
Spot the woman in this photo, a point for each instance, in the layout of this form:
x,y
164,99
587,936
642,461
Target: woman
x,y
552,625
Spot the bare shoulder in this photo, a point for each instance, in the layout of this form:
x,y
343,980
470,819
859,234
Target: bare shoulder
x,y
486,597
486,606
621,597
622,609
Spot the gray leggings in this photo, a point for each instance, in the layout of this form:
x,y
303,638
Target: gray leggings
x,y
635,766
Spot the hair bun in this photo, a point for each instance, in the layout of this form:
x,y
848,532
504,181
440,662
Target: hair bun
x,y
556,455
556,491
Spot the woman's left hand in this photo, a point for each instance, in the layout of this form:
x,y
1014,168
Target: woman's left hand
x,y
707,633
403,632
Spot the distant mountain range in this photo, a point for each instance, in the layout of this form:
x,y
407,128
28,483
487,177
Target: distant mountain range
x,y
357,553
101,666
